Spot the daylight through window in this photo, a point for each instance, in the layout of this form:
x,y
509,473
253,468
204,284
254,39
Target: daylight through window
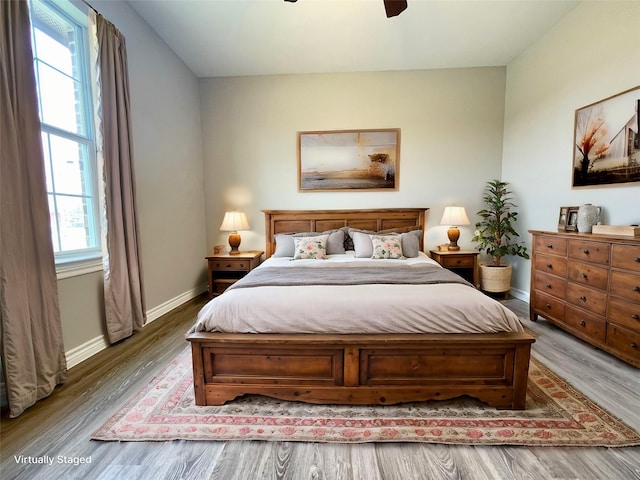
x,y
60,47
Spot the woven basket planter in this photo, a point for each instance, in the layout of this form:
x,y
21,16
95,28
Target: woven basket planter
x,y
495,279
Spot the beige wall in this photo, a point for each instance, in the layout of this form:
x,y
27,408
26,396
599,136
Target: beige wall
x,y
591,54
451,125
168,167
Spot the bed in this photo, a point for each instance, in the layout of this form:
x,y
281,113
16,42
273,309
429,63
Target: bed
x,y
340,355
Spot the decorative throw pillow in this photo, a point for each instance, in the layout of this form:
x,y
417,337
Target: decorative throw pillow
x,y
285,242
349,243
310,247
363,247
386,246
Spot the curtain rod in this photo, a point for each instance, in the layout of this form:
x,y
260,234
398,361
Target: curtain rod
x,y
90,6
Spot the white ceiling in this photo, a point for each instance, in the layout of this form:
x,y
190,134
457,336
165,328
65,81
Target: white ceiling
x,y
260,37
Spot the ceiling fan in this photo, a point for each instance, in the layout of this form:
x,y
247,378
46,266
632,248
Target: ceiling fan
x,y
391,7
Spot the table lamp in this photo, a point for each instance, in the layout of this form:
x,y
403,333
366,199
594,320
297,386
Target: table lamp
x,y
454,216
232,222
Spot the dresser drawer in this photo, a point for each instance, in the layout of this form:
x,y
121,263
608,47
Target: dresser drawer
x,y
596,252
624,340
549,284
591,275
624,313
550,264
546,305
625,285
452,261
231,265
591,325
551,245
626,257
588,298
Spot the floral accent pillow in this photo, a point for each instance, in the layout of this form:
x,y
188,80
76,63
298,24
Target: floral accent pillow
x,y
386,246
310,247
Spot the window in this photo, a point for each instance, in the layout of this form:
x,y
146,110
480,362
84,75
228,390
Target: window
x,y
61,62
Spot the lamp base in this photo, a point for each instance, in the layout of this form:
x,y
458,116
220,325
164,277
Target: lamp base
x,y
234,243
454,234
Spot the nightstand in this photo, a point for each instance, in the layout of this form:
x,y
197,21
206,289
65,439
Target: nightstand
x,y
462,262
227,269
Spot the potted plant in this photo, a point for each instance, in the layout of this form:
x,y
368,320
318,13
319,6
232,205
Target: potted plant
x,y
496,235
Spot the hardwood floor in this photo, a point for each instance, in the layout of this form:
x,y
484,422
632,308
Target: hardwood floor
x,y
59,427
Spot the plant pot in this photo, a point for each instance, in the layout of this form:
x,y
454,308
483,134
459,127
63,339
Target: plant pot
x,y
496,279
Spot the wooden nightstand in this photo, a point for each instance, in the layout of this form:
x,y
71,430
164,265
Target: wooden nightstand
x,y
462,262
227,269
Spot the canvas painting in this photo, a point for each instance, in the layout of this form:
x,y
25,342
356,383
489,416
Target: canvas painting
x,y
348,160
607,141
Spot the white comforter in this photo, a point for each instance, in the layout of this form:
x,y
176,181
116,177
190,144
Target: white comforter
x,y
439,308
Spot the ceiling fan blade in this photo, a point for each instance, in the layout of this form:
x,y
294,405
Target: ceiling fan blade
x,y
394,7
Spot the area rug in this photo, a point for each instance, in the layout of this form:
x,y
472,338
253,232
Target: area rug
x,y
556,415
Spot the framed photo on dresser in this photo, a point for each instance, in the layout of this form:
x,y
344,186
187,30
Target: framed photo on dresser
x,y
567,219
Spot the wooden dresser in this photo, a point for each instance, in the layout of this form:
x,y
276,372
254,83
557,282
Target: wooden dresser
x,y
589,285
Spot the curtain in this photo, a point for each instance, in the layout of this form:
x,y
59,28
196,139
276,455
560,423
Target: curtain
x,y
123,288
30,327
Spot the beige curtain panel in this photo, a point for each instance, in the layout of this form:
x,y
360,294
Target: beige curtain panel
x,y
124,300
31,331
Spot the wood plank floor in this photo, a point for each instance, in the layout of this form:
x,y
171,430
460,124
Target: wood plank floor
x,y
60,427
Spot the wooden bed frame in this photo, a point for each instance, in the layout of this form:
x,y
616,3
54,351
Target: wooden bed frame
x,y
359,369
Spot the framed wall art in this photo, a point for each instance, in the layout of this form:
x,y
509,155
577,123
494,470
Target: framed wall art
x,y
606,141
349,160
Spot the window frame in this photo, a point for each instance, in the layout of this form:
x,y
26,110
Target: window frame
x,y
85,260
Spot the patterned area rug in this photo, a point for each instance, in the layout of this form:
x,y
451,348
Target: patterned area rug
x,y
556,415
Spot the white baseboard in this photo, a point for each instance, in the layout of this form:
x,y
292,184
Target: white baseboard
x,y
520,294
166,307
86,350
95,345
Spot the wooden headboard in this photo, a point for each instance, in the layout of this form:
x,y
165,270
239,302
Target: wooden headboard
x,y
294,221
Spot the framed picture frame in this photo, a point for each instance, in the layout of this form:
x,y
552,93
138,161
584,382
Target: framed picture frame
x,y
562,219
572,219
349,160
606,141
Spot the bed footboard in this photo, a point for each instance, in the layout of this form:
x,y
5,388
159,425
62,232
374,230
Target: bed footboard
x,y
362,369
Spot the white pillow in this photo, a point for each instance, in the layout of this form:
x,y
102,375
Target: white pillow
x,y
362,245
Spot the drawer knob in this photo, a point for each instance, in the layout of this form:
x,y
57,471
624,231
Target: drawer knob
x,y
549,245
582,323
583,275
583,298
636,289
635,316
586,251
637,259
633,345
228,265
548,285
549,265
548,305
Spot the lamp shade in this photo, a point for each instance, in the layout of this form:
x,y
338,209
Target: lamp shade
x,y
454,216
234,221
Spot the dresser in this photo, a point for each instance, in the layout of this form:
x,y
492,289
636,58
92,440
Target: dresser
x,y
589,285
